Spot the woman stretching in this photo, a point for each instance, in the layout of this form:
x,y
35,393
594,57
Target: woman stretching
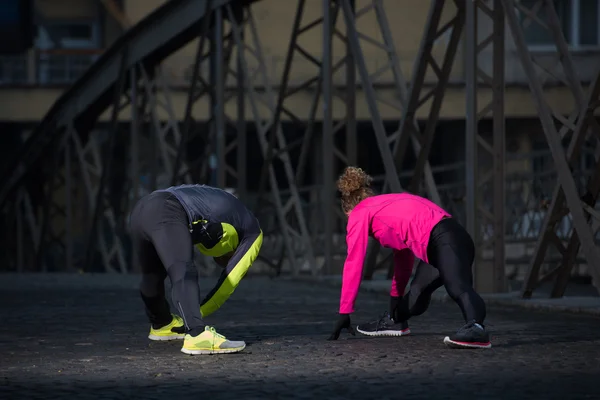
x,y
411,226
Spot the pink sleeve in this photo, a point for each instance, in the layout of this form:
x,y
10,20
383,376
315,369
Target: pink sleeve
x,y
357,240
404,261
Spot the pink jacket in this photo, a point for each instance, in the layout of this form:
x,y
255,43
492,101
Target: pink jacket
x,y
400,221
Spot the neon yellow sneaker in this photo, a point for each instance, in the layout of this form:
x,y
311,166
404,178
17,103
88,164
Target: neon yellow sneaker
x,y
173,331
210,342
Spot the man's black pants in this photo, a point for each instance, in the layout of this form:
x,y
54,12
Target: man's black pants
x,y
163,243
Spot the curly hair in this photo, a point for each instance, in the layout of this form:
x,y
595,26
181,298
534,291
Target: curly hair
x,y
354,186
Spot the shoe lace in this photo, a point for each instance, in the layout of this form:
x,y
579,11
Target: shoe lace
x,y
470,324
215,333
382,320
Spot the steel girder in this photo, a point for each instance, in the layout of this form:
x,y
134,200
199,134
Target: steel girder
x,y
416,95
566,193
485,152
354,65
252,72
164,31
321,227
74,151
79,164
97,160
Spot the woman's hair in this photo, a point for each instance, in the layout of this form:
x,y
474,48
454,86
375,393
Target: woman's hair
x,y
354,185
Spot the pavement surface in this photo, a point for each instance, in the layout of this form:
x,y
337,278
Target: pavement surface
x,y
578,298
84,336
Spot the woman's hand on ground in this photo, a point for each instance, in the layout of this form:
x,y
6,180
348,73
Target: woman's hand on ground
x,y
342,322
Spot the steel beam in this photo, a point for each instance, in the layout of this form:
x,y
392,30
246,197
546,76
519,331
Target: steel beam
x,y
227,129
134,155
556,211
366,79
49,233
412,97
217,98
242,134
367,86
109,150
107,241
107,237
334,158
195,164
296,238
328,197
486,150
331,152
271,151
196,80
164,31
418,95
553,137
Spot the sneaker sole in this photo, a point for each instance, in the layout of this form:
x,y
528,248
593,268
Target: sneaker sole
x,y
465,345
165,338
385,333
218,351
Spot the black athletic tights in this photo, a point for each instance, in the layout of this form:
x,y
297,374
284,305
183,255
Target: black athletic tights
x,y
451,253
162,241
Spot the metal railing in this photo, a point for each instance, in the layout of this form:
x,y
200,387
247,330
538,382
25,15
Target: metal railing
x,y
46,67
64,66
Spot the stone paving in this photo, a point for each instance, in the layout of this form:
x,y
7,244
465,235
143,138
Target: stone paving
x,y
578,298
83,336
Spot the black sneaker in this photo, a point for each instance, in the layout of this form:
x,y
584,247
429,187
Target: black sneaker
x,y
384,326
470,336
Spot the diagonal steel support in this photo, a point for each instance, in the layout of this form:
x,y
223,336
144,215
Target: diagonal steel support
x,y
169,139
339,140
417,95
565,178
328,199
217,98
108,240
49,234
265,124
367,86
51,206
486,150
198,143
193,95
160,114
589,199
343,131
556,211
96,227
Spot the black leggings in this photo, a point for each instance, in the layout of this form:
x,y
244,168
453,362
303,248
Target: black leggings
x,y
451,252
163,243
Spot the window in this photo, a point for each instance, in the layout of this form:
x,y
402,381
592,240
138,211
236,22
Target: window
x,y
69,35
579,21
67,45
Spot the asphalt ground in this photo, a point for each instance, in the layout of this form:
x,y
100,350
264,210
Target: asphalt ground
x,y
85,336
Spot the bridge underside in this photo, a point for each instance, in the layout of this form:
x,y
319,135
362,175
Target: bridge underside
x,y
66,197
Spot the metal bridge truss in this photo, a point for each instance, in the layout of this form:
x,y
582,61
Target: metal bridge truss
x,y
75,173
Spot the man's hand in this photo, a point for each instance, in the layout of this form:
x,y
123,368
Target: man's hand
x,y
342,322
